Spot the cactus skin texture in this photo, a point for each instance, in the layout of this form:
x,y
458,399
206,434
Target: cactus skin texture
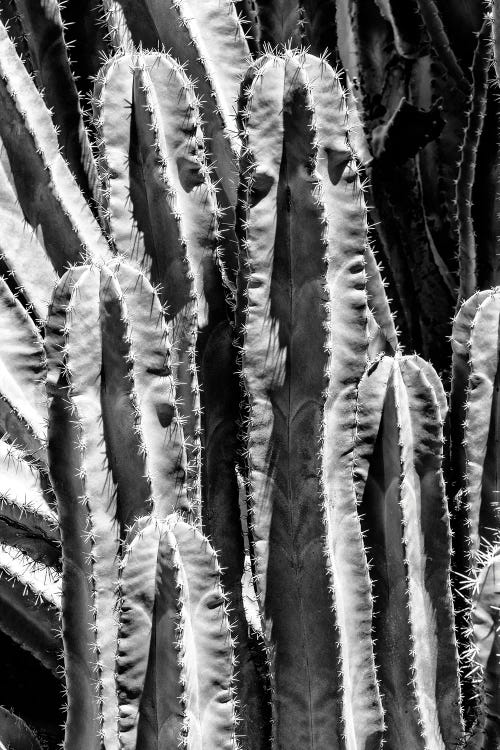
x,y
486,628
224,520
15,734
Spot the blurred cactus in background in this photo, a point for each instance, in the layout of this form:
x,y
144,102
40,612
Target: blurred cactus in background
x,y
249,359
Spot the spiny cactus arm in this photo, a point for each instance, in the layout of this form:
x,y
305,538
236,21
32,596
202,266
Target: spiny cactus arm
x,y
177,121
336,154
45,187
460,342
467,241
463,561
170,263
173,638
45,34
283,359
347,345
15,734
27,519
377,471
207,646
22,367
482,422
173,113
112,111
30,599
23,260
125,447
148,669
78,616
153,392
88,512
427,545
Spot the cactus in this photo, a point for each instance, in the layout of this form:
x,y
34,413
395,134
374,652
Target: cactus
x,y
14,733
486,633
223,513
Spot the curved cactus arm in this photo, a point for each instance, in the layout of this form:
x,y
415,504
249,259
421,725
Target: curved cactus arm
x,y
27,518
44,29
174,659
23,260
467,241
152,391
30,599
22,367
347,344
283,361
427,545
44,184
15,734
